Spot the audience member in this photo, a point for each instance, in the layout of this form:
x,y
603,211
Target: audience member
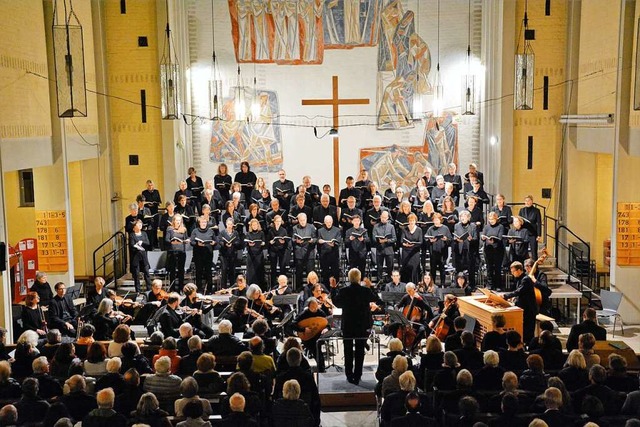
x,y
189,361
262,363
132,359
391,383
77,400
85,340
290,410
31,408
193,413
113,379
48,386
553,358
586,342
393,404
464,387
225,344
8,416
385,364
575,374
56,411
592,412
496,339
589,325
238,383
611,400
617,377
413,417
509,407
553,416
95,364
430,362
50,346
534,378
514,358
148,412
62,360
237,416
169,348
121,335
489,377
468,408
163,384
127,400
308,387
189,391
453,342
186,332
9,387
545,325
260,383
260,328
26,352
208,379
469,356
281,363
445,378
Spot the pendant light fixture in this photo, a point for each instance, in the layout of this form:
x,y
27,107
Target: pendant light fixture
x,y
215,81
524,67
469,80
255,103
240,107
418,99
438,89
169,76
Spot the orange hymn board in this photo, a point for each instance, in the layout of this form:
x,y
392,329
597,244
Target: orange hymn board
x,y
628,234
51,231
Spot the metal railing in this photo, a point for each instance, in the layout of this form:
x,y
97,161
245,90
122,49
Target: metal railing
x,y
573,255
110,258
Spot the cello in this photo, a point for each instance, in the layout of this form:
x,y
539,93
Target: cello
x,y
532,273
406,333
441,329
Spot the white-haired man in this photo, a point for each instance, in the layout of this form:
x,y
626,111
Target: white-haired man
x,y
163,384
104,415
225,344
329,241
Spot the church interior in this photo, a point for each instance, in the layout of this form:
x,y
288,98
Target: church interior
x,y
99,97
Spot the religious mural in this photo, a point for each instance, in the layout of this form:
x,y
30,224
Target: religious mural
x,y
257,141
405,164
351,23
404,63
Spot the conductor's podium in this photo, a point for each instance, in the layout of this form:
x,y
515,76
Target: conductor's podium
x,y
482,307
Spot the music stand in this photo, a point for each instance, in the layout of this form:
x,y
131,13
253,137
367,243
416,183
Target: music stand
x,y
396,316
391,298
290,299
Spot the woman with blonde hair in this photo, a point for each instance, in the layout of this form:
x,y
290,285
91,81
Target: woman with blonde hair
x,y
575,374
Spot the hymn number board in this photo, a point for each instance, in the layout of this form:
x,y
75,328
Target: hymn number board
x,y
51,230
628,234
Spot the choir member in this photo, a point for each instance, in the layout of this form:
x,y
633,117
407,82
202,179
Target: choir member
x,y
356,241
449,213
466,247
369,195
236,188
425,217
308,200
203,241
477,192
238,203
222,181
422,196
493,250
372,216
239,315
518,239
131,219
254,213
177,238
329,241
411,245
215,203
402,217
186,211
275,210
42,287
304,247
148,220
477,216
62,312
152,200
230,212
299,207
255,243
349,191
439,236
389,197
414,191
195,186
312,189
32,315
265,202
165,221
230,244
455,179
429,179
326,189
533,224
279,248
324,209
393,204
97,294
347,213
473,169
139,262
212,220
505,216
438,190
183,191
283,189
449,192
384,240
363,181
247,180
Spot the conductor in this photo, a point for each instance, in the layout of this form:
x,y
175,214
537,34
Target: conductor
x,y
356,321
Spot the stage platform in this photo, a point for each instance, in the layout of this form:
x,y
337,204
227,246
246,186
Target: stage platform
x,y
338,394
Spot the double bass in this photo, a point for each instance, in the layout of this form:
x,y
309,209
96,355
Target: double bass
x,y
532,273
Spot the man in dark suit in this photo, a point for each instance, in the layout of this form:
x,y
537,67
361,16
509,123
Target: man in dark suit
x,y
453,342
238,417
62,313
553,416
611,399
413,418
356,321
589,325
526,299
225,344
170,321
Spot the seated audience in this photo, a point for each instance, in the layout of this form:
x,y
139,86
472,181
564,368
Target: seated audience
x,y
453,342
78,402
62,360
413,417
575,374
237,417
618,378
163,384
113,378
25,354
189,391
514,358
85,340
31,408
589,325
127,400
553,358
469,356
393,404
170,349
9,387
552,415
308,386
534,378
281,363
209,381
592,412
430,362
385,364
225,344
148,412
121,334
545,325
193,413
586,342
8,415
189,361
239,384
50,346
489,377
186,332
612,400
132,359
95,364
464,387
468,409
496,339
290,410
104,415
509,407
260,383
262,363
391,383
260,328
445,377
48,385
56,411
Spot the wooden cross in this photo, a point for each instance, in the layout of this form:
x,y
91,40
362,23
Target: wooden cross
x,y
335,101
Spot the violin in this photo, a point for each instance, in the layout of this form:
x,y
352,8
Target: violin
x,y
253,313
121,301
225,291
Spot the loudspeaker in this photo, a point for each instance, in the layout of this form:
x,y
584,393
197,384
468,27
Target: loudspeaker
x,y
3,256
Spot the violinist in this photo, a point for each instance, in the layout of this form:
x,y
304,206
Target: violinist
x,y
138,242
240,315
32,315
240,289
255,242
444,320
230,244
178,239
259,303
203,242
97,294
310,340
356,240
196,308
171,319
106,320
417,311
279,248
122,304
307,291
282,289
155,298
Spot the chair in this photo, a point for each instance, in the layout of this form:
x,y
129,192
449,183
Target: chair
x,y
610,304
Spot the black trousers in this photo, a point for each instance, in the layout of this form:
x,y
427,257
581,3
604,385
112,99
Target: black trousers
x,y
494,266
358,260
303,266
384,265
255,269
140,267
280,261
175,265
228,265
467,260
203,260
330,265
437,263
353,361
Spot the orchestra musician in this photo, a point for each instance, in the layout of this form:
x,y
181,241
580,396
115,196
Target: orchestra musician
x,y
165,222
258,302
525,299
42,288
307,291
279,248
240,287
518,239
203,242
195,186
152,201
304,247
283,189
255,242
152,300
98,293
230,244
384,238
282,289
356,241
417,311
439,237
493,250
177,238
466,247
322,295
196,307
32,315
62,312
106,320
329,241
170,319
139,262
539,279
426,286
222,181
349,191
411,245
240,315
312,310
447,313
534,224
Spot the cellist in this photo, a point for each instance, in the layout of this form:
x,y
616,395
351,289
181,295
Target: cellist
x,y
417,311
442,324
